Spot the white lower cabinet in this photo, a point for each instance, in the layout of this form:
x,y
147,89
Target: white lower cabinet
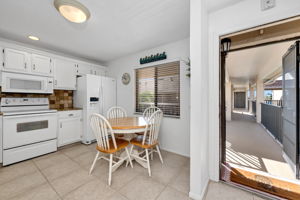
x,y
69,127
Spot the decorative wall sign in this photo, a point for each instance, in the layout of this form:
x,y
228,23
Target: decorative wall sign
x,y
153,58
126,79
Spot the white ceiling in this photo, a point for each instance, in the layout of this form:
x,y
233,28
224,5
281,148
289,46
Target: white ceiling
x,y
247,65
115,29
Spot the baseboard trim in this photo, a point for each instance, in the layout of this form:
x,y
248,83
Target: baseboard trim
x,y
201,196
172,151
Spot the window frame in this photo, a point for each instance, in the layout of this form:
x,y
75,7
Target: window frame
x,y
153,65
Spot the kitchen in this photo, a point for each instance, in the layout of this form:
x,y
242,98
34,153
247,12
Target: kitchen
x,y
37,99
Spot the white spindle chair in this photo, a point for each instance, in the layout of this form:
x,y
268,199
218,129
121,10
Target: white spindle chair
x,y
147,114
149,111
116,112
107,144
149,140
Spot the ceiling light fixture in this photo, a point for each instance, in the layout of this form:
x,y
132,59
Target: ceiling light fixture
x,y
33,37
72,10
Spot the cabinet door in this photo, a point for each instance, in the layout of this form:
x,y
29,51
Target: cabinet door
x,y
15,60
99,71
41,65
65,75
69,131
84,69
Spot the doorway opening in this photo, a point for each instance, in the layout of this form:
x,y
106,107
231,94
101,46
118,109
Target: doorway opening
x,y
259,93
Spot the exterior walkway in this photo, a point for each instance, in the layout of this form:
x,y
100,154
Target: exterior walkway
x,y
249,146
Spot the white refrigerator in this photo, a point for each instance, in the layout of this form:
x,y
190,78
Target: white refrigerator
x,y
94,94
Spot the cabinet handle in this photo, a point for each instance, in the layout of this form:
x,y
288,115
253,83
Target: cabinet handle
x,y
25,65
55,82
60,125
70,115
33,66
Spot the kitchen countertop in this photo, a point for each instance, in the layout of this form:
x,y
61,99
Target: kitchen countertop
x,y
68,109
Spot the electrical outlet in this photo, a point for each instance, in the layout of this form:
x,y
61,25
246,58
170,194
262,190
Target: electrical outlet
x,y
267,4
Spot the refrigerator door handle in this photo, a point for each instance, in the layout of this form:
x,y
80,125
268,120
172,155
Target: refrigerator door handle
x,y
101,99
102,103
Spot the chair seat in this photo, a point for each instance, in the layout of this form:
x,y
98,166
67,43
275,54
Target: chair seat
x,y
121,144
138,141
140,133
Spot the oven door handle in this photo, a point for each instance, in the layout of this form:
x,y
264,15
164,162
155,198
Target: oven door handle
x,y
27,115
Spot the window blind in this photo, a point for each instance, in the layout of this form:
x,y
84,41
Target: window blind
x,y
159,86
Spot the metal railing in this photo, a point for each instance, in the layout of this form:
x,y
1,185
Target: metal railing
x,y
274,102
271,118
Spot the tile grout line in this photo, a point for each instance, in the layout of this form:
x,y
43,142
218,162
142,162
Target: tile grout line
x,y
81,168
169,184
165,187
18,176
46,179
31,188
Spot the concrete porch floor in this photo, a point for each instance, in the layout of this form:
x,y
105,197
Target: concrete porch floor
x,y
250,146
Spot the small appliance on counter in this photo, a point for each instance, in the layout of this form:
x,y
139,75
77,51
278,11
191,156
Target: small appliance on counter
x,y
29,128
94,94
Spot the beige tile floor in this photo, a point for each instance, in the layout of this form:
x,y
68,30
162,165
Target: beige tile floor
x,y
63,175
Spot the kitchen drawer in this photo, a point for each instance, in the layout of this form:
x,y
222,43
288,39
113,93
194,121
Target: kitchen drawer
x,y
69,114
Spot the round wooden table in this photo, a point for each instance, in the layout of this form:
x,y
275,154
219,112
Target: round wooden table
x,y
128,125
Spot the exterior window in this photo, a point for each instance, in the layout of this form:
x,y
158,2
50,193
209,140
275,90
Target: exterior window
x,y
159,86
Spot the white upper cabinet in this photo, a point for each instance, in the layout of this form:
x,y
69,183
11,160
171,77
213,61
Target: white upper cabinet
x,y
15,60
99,71
89,69
84,69
63,70
64,75
41,65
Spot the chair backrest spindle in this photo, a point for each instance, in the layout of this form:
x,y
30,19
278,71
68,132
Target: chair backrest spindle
x,y
116,112
152,130
149,111
103,131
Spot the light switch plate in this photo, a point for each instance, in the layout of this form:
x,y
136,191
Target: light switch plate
x,y
267,4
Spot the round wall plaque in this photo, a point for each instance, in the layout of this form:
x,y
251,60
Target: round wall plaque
x,y
126,79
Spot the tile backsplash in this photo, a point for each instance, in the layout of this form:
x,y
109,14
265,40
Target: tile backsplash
x,y
60,99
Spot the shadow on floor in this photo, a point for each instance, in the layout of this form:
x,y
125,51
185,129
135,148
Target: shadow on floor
x,y
249,145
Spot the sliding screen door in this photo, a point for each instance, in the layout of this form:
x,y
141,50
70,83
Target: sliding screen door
x,y
290,113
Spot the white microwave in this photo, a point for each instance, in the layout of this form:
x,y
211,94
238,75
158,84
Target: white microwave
x,y
24,83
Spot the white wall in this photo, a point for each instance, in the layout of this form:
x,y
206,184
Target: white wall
x,y
175,133
199,98
243,15
260,97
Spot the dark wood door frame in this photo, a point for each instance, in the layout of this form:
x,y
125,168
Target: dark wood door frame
x,y
222,111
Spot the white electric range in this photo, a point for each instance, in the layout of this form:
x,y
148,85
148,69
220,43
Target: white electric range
x,y
29,128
